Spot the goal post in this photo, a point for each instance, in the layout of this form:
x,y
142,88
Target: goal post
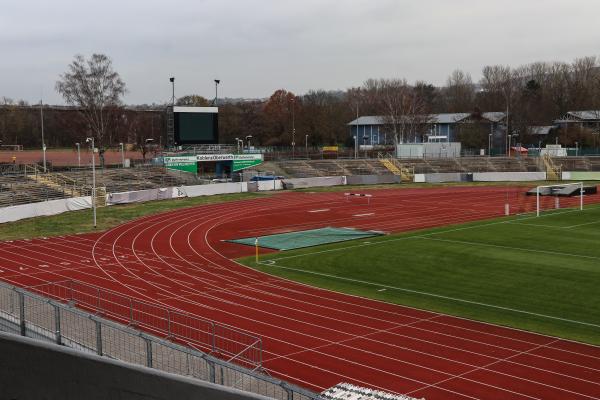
x,y
566,190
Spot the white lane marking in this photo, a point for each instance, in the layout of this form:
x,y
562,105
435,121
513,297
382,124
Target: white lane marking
x,y
319,210
362,215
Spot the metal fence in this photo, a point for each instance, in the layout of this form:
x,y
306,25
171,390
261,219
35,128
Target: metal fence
x,y
29,314
220,340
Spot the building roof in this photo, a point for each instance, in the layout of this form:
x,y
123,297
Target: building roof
x,y
578,116
585,115
443,118
368,120
494,116
540,130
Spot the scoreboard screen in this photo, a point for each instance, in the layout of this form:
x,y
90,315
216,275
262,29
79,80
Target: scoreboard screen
x,y
196,125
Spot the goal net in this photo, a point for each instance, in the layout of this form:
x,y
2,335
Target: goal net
x,y
554,197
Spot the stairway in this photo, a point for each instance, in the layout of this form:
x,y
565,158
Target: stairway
x,y
553,171
405,173
55,181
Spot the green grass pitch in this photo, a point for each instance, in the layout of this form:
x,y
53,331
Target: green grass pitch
x,y
538,274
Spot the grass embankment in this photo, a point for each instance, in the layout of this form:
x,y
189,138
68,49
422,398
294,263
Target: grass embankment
x,y
107,217
539,274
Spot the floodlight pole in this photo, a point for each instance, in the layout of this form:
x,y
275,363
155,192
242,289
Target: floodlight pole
x,y
306,145
490,145
122,155
293,129
42,123
356,136
78,154
172,80
91,140
217,81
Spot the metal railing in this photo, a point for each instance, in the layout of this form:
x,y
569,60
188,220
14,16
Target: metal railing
x,y
29,314
222,341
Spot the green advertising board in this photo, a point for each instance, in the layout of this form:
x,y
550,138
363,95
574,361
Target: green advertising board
x,y
189,163
239,165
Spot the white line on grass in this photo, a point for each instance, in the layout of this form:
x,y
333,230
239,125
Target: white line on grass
x,y
416,236
559,253
435,295
587,223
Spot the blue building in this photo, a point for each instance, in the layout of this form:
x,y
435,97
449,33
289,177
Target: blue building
x,y
373,130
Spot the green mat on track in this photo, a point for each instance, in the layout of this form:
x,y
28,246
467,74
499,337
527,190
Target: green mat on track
x,y
312,237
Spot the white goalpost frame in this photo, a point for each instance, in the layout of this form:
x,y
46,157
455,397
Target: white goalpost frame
x,y
537,195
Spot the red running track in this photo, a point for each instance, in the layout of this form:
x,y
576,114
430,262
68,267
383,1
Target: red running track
x,y
314,337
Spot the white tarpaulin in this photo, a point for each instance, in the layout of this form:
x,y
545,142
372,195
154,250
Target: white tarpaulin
x,y
139,196
274,184
212,189
508,176
52,207
298,183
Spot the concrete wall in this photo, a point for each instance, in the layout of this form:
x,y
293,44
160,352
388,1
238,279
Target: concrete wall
x,y
371,179
298,183
440,177
482,177
428,150
581,175
508,176
37,370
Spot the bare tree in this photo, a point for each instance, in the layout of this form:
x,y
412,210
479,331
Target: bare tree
x,y
402,109
459,92
96,88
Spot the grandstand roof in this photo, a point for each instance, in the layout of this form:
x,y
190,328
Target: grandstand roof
x,y
442,118
585,115
540,130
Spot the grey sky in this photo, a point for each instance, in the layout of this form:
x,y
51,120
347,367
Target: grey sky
x,y
258,46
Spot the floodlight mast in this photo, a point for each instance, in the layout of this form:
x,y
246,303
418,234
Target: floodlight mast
x,y
91,141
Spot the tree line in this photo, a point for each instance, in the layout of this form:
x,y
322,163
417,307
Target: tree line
x,y
532,95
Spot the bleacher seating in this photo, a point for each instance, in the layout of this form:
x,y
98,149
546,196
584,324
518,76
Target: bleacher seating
x,y
15,189
308,168
130,179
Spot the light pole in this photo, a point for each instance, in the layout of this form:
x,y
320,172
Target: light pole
x,y
172,80
306,145
248,141
42,123
237,142
122,155
78,154
217,81
356,135
293,128
91,141
490,145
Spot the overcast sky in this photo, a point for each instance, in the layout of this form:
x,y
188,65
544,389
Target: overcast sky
x,y
258,46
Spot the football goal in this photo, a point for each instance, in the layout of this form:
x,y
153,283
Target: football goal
x,y
552,197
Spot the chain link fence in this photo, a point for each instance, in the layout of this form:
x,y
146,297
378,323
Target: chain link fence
x,y
32,315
